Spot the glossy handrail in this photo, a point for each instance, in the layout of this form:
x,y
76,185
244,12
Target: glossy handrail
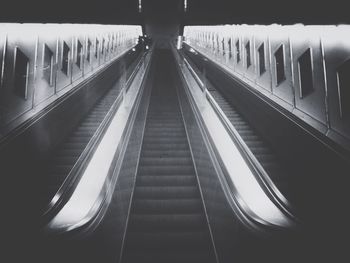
x,y
66,189
97,212
98,208
259,172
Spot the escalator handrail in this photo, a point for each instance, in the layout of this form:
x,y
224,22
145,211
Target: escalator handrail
x,y
259,172
242,212
67,188
98,211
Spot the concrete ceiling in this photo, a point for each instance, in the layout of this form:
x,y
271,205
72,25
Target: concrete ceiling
x,y
199,11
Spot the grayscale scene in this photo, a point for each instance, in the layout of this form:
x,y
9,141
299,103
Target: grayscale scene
x,y
174,131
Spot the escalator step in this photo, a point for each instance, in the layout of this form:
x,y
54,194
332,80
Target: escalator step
x,y
248,137
165,161
266,157
166,153
175,207
151,256
83,133
173,140
167,222
163,129
166,192
65,156
166,146
79,139
186,240
170,134
164,180
73,145
168,170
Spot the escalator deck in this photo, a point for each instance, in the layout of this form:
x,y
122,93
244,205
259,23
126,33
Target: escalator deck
x,y
167,222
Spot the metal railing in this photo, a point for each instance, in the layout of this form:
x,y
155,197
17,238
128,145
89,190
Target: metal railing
x,y
67,188
256,168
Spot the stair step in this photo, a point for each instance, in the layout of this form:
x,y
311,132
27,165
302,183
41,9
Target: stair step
x,y
248,137
63,159
164,180
168,240
73,145
172,140
166,134
166,153
158,125
167,206
166,192
167,222
165,161
78,139
84,133
165,146
155,223
166,170
240,126
164,129
169,256
256,144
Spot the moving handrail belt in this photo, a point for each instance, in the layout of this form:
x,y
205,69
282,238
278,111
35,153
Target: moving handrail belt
x,y
261,178
70,185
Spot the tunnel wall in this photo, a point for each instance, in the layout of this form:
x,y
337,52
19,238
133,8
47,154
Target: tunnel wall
x,y
53,123
162,34
42,62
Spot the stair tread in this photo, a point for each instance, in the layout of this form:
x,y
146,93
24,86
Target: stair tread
x,y
180,180
170,206
166,213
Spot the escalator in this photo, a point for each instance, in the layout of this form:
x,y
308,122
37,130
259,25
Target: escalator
x,y
157,212
261,149
158,215
167,222
258,146
64,158
59,164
